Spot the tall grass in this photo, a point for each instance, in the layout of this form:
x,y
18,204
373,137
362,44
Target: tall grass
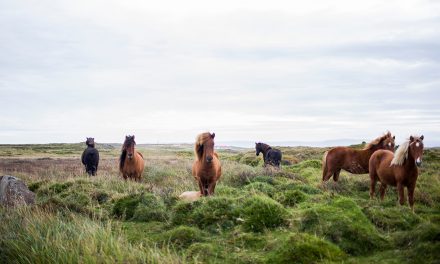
x,y
104,219
37,236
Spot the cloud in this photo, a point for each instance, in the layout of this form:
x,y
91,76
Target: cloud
x,y
248,70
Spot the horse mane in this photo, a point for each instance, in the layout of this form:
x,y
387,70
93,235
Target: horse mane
x,y
128,140
200,140
265,147
377,140
401,154
122,159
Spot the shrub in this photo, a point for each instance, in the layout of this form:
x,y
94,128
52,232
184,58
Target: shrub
x,y
150,208
392,218
305,248
290,197
140,207
342,222
126,206
317,164
216,212
203,252
251,159
181,212
260,212
183,236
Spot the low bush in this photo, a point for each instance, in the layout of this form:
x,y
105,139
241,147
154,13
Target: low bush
x,y
305,248
261,212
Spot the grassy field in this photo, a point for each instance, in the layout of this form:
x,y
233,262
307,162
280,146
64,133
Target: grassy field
x,y
257,215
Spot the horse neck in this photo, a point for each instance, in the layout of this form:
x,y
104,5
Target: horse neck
x,y
265,149
409,162
366,154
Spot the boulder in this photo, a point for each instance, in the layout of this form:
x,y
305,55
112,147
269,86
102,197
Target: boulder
x,y
191,196
14,192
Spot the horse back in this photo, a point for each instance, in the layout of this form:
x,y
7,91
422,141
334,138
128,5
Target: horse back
x,y
345,158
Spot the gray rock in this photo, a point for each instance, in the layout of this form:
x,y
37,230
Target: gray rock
x,y
14,192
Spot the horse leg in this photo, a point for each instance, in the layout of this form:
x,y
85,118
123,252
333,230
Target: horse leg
x,y
211,188
201,187
336,175
411,196
401,191
383,188
373,181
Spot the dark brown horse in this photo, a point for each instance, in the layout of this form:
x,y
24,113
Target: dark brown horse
x,y
90,157
352,160
270,156
131,162
399,169
206,168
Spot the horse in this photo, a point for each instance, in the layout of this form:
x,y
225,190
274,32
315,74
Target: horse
x,y
399,169
90,157
352,160
206,168
131,162
270,156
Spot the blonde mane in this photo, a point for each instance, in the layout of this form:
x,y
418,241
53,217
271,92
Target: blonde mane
x,y
377,141
200,140
401,154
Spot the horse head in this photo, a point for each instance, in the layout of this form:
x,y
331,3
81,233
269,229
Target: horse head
x,y
128,146
416,149
388,142
205,147
258,148
90,142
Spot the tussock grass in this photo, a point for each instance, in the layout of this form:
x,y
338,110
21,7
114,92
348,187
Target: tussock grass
x,y
38,236
258,215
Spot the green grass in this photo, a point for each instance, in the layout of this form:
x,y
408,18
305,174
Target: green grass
x,y
258,215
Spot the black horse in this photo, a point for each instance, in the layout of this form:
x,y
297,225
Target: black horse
x,y
271,156
90,157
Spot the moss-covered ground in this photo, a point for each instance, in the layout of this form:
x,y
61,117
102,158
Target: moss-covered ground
x,y
258,215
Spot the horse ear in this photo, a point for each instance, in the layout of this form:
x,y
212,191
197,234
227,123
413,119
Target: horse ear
x,y
411,138
213,135
422,137
133,136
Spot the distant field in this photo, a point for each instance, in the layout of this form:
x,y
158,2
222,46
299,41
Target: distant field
x,y
257,215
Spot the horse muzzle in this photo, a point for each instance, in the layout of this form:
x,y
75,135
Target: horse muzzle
x,y
130,156
418,162
209,159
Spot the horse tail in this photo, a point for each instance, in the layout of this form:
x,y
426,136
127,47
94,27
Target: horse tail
x,y
324,163
122,160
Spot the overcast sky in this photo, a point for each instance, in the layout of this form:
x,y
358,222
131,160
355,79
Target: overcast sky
x,y
247,70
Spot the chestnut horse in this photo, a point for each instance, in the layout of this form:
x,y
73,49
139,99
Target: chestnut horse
x,y
206,168
270,156
399,169
352,160
131,162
